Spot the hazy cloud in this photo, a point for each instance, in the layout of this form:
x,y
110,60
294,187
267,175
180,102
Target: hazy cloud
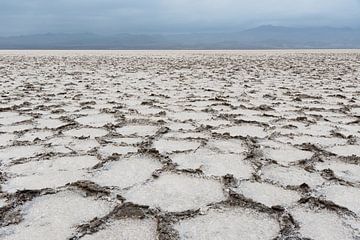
x,y
109,16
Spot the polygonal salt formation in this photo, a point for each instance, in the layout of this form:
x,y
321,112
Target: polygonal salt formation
x,y
48,173
134,229
243,131
86,133
138,130
291,176
230,224
96,120
176,193
212,163
169,146
267,194
126,172
321,225
54,216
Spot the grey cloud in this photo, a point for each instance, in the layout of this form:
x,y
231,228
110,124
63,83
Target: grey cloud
x,y
109,16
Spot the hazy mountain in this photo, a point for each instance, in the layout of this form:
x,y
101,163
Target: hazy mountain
x,y
263,37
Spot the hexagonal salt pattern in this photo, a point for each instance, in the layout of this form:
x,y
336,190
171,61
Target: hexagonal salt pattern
x,y
180,145
176,193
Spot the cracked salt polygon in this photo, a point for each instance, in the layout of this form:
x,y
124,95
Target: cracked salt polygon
x,y
134,229
344,196
138,130
6,139
267,194
126,172
16,128
346,151
230,224
86,132
55,216
32,135
96,120
321,225
287,155
176,126
291,176
176,193
12,118
18,152
77,145
48,173
228,145
49,123
322,141
111,149
243,131
216,164
169,145
346,171
184,116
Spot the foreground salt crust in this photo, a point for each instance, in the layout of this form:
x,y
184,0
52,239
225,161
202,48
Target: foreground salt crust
x,y
134,229
267,194
322,225
214,164
229,224
126,172
54,216
176,193
51,173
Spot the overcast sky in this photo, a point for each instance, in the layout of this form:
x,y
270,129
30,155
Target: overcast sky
x,y
114,16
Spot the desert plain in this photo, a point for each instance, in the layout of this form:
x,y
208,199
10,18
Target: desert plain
x,y
174,145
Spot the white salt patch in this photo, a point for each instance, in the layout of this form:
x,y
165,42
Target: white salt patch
x,y
322,141
343,196
184,116
134,229
96,120
2,204
216,164
347,150
17,152
16,118
109,150
227,146
175,193
229,224
345,171
6,139
267,194
244,131
127,172
86,132
186,135
77,145
16,128
291,176
138,130
50,123
288,155
128,141
175,126
214,123
321,225
49,173
31,136
169,146
55,216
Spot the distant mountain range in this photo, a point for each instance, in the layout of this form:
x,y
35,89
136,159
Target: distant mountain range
x,y
263,37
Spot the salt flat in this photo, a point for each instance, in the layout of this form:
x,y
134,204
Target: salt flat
x,y
180,144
